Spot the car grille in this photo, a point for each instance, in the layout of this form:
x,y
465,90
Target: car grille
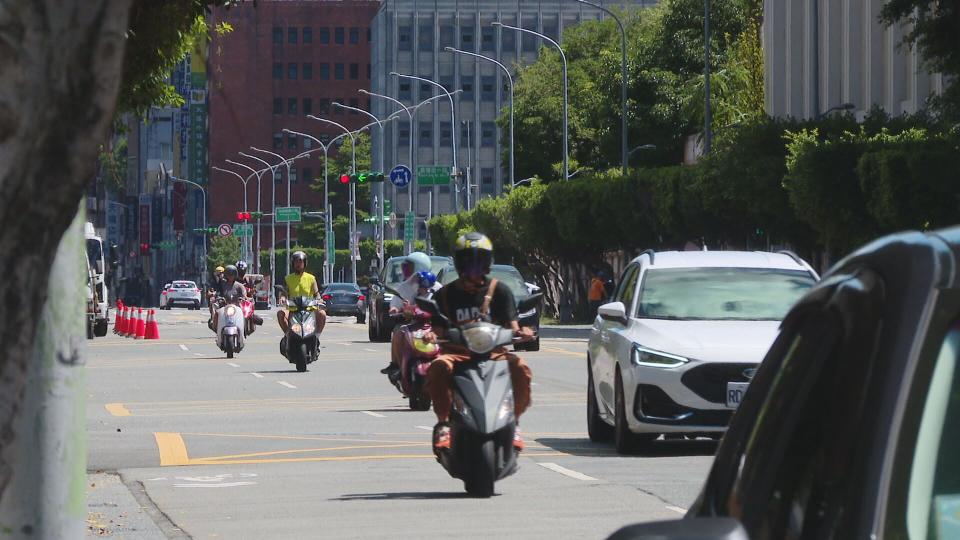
x,y
653,406
709,381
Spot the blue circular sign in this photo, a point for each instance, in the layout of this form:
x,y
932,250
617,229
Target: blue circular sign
x,y
401,176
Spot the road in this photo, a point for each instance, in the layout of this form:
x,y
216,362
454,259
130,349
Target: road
x,y
248,448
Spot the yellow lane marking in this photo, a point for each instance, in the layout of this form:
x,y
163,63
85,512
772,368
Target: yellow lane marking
x,y
564,351
116,409
304,450
172,449
231,402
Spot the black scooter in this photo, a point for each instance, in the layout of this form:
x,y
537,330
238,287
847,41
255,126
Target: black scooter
x,y
482,419
301,345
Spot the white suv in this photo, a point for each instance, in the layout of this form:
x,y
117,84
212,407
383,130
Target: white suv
x,y
180,292
674,350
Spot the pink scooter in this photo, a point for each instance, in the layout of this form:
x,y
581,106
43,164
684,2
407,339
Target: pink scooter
x,y
411,379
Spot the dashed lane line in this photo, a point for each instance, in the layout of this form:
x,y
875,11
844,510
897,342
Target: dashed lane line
x,y
197,354
117,409
373,414
567,472
184,347
370,350
285,383
424,427
676,509
257,375
231,364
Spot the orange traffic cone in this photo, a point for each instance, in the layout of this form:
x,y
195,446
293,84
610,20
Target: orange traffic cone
x,y
128,321
152,330
119,317
141,324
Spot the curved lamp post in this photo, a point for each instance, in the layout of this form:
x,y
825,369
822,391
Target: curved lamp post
x,y
258,174
243,180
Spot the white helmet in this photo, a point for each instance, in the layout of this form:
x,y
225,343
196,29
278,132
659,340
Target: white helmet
x,y
419,260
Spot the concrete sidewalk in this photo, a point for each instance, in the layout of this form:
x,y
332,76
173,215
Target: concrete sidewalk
x,y
114,512
568,332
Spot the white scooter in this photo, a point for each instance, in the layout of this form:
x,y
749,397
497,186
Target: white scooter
x,y
230,324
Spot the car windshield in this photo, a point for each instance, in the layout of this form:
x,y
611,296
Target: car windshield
x,y
508,275
335,287
394,272
184,285
737,294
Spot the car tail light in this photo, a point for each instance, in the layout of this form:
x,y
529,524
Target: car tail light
x,y
197,290
327,297
361,298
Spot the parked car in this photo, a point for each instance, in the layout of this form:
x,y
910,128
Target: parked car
x,y
677,347
379,324
849,428
345,299
180,293
512,278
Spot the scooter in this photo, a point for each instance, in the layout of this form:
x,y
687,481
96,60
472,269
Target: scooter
x,y
301,344
230,324
482,419
411,378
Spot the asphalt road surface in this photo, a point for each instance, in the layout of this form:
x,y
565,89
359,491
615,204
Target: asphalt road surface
x,y
184,443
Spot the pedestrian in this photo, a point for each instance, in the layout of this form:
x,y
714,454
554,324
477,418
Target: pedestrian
x,y
597,292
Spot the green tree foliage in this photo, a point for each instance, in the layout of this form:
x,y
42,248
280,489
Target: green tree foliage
x,y
341,162
224,250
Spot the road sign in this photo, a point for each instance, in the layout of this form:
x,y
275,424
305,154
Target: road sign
x,y
225,229
331,248
288,214
408,226
243,230
387,207
433,176
401,176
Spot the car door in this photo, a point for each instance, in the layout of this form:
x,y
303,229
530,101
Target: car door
x,y
607,335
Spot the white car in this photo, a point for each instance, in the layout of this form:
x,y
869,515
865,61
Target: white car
x,y
674,350
182,293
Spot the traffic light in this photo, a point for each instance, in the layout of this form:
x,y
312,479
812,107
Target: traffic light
x,y
376,177
144,249
362,178
243,216
208,230
256,215
344,178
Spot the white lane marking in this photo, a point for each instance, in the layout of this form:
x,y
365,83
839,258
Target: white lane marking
x,y
197,354
184,347
370,350
566,472
676,509
534,384
156,479
373,414
257,375
229,484
288,385
231,364
424,427
345,344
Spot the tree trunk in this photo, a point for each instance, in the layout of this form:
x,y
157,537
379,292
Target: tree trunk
x,y
60,69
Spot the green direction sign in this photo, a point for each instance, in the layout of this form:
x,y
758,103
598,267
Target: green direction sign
x,y
331,248
288,214
243,229
408,226
387,207
433,176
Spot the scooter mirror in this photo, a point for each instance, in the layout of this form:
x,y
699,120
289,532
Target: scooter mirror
x,y
529,303
431,307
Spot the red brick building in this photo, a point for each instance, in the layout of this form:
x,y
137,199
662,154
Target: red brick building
x,y
283,60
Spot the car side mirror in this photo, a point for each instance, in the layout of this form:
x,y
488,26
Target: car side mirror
x,y
697,528
614,311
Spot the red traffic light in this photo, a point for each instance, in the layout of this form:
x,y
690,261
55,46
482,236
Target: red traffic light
x,y
344,178
243,216
144,249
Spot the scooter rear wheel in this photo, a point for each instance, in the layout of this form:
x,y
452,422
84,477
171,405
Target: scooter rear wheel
x,y
484,473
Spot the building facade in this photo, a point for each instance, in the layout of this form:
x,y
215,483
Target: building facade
x,y
822,54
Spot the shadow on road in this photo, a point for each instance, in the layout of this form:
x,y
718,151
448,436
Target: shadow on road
x,y
565,332
658,448
403,495
279,371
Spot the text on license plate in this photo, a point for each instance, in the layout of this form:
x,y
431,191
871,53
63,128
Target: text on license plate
x,y
735,391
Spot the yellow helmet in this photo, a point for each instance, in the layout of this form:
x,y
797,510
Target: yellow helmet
x,y
473,255
218,269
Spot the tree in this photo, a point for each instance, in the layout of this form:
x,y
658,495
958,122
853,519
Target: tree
x,y
341,162
224,250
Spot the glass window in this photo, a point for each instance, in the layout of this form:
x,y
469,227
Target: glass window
x,y
403,91
277,35
628,282
488,88
338,35
277,70
292,72
354,36
426,90
368,71
354,71
324,138
307,143
446,134
307,34
488,37
291,141
277,105
466,84
325,36
426,133
355,104
292,105
324,72
508,39
323,107
293,172
466,38
277,175
404,38
278,141
369,35
446,36
488,134
528,41
338,71
425,38
307,106
307,72
337,110
292,36
486,180
403,135
551,29
307,174
734,294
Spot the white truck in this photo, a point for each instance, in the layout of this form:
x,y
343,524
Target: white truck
x,y
98,301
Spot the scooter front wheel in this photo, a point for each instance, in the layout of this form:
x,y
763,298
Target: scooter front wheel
x,y
481,479
302,358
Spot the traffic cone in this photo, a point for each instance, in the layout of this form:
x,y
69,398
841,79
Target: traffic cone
x,y
141,324
119,317
127,321
152,330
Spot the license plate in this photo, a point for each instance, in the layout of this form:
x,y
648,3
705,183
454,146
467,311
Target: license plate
x,y
735,391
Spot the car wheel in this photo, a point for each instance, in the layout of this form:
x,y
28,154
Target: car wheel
x,y
383,333
624,440
371,331
597,429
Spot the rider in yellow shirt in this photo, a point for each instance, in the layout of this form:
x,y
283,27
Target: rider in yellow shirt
x,y
300,283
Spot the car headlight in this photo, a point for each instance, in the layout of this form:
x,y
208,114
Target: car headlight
x,y
642,356
387,297
526,314
480,339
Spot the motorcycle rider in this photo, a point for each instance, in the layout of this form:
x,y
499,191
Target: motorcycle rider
x,y
300,283
427,285
230,289
241,277
212,289
472,296
411,267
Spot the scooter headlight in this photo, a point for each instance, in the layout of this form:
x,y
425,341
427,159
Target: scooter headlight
x,y
506,408
480,339
460,406
231,311
296,328
309,326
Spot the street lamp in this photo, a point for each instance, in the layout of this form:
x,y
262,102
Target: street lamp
x,y
643,147
521,182
510,79
258,174
841,107
244,181
273,218
453,134
563,57
286,162
623,82
204,192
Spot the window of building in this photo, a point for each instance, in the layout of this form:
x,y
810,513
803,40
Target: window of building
x,y
447,82
307,34
508,40
277,175
307,174
446,134
368,71
466,134
338,72
446,36
325,36
291,141
488,88
278,141
307,143
338,35
486,180
354,71
324,138
354,36
323,107
307,72
425,38
324,72
466,38
528,42
277,70
277,35
293,173
277,105
292,105
355,103
466,84
292,35
337,110
307,106
426,133
403,135
488,38
551,29
404,38
369,35
488,133
292,72
403,90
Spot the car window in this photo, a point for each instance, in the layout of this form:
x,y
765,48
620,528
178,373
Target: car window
x,y
507,275
628,282
739,294
933,501
184,285
341,287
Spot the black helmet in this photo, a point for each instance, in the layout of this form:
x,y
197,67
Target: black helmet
x,y
299,255
473,255
241,268
230,270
